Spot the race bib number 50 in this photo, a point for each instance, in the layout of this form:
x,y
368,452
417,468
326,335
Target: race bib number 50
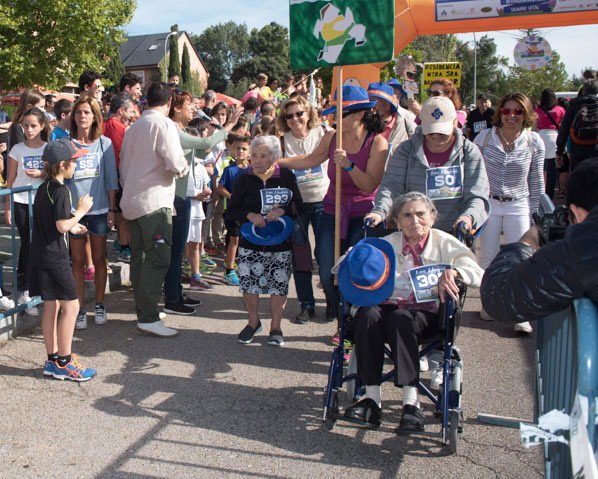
x,y
273,198
425,281
444,183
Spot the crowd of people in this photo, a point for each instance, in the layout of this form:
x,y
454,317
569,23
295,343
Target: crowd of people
x,y
182,179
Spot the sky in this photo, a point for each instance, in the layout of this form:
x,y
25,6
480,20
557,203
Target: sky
x,y
572,43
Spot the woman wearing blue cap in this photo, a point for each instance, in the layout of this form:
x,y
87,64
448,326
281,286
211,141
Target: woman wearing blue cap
x,y
263,199
362,159
396,282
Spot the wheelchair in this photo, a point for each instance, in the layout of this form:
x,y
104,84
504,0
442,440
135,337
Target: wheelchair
x,y
446,403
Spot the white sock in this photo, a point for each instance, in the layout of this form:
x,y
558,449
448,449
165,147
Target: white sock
x,y
410,396
373,392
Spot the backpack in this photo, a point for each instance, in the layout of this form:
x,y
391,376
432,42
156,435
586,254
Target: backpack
x,y
584,129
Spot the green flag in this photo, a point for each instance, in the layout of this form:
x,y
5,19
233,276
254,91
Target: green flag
x,y
340,32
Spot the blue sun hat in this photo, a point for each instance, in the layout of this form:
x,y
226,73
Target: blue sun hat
x,y
366,277
354,98
384,92
274,233
396,85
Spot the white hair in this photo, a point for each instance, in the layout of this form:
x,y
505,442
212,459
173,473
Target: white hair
x,y
270,142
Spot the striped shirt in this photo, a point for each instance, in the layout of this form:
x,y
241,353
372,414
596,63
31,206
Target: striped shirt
x,y
517,174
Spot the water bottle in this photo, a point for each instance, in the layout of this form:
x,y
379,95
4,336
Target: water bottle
x,y
455,381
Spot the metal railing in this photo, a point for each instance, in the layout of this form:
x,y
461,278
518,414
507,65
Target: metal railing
x,y
567,364
13,232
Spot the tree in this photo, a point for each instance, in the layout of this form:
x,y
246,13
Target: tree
x,y
436,48
174,64
186,69
532,82
113,72
221,47
49,43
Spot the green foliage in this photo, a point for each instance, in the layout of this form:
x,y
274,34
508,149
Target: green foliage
x,y
186,69
196,86
221,47
174,64
272,41
49,43
435,48
532,82
113,72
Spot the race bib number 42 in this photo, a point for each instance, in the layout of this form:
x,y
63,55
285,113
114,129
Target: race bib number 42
x,y
444,183
33,162
273,198
425,281
88,166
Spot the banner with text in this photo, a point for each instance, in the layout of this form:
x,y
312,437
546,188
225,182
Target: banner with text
x,y
449,70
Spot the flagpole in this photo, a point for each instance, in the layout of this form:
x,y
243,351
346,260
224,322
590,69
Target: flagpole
x,y
339,146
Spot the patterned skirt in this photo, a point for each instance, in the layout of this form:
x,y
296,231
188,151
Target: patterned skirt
x,y
264,272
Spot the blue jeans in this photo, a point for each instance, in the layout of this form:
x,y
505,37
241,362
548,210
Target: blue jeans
x,y
312,213
173,289
326,245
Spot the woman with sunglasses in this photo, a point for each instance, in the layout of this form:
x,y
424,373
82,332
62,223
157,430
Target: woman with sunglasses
x,y
442,87
362,158
514,159
302,132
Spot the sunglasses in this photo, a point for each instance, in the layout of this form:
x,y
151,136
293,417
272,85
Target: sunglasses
x,y
297,114
515,111
433,92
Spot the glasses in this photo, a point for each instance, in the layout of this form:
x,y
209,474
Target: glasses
x,y
297,114
515,111
434,92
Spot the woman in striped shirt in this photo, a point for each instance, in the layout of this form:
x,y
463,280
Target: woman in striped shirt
x,y
514,158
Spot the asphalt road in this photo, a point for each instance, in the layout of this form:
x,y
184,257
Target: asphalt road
x,y
202,405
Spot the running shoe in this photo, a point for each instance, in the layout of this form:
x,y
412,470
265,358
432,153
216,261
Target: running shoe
x,y
81,322
275,338
231,278
125,255
73,371
49,368
207,261
200,285
100,314
248,333
6,303
25,298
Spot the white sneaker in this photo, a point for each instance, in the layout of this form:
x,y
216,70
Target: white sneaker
x,y
161,315
25,298
423,364
485,316
81,322
6,303
523,327
157,329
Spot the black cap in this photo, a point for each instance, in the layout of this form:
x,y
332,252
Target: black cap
x,y
62,150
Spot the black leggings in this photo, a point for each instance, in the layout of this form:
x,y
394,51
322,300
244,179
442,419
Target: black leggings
x,y
21,221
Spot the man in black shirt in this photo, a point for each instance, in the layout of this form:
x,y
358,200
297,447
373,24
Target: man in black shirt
x,y
481,118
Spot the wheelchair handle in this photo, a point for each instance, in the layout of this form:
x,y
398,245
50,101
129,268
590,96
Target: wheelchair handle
x,y
464,235
366,225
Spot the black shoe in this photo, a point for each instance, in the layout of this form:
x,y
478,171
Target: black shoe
x,y
365,410
178,308
331,312
412,419
305,315
275,338
246,336
192,303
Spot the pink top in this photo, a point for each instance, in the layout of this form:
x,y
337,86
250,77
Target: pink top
x,y
354,202
544,123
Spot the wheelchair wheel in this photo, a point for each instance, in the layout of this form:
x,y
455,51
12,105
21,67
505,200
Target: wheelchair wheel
x,y
330,421
453,431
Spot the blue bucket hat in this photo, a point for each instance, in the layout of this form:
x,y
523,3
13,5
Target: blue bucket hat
x,y
354,98
366,277
384,92
396,84
275,232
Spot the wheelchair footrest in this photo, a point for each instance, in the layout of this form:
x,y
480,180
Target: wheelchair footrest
x,y
342,417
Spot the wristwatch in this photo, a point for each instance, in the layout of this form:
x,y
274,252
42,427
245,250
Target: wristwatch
x,y
350,167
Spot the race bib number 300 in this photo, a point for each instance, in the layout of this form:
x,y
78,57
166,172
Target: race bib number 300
x,y
444,183
33,162
273,198
425,281
88,166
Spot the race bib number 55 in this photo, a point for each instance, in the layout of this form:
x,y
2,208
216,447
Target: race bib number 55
x,y
273,198
425,281
88,166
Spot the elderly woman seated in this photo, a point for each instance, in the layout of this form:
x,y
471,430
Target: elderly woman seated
x,y
399,304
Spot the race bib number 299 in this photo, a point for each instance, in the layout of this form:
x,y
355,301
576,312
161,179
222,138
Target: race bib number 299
x,y
273,198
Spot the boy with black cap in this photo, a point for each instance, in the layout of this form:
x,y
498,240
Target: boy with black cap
x,y
51,274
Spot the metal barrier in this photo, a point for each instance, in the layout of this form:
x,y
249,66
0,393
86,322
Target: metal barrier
x,y
567,364
15,293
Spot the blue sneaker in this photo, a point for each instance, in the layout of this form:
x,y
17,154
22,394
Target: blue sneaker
x,y
231,278
207,261
49,368
74,371
125,255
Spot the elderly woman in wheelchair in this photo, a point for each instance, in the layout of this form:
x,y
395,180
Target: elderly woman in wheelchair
x,y
397,281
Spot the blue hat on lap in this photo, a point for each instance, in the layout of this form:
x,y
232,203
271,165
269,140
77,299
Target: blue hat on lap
x,y
366,277
275,232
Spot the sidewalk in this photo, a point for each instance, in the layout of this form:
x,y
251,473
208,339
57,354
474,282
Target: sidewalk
x,y
202,405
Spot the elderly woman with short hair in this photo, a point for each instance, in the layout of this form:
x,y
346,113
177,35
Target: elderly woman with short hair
x,y
262,195
410,313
